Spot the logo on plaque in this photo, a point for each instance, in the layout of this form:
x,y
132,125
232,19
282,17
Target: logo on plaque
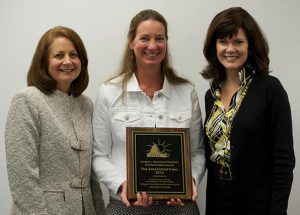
x,y
158,150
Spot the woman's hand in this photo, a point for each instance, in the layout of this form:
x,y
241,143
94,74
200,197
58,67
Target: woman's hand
x,y
142,200
175,202
178,202
122,193
195,192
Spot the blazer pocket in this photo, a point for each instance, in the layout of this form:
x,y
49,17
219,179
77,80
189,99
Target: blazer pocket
x,y
55,194
180,119
125,119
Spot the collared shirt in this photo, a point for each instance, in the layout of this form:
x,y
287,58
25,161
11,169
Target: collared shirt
x,y
172,106
219,123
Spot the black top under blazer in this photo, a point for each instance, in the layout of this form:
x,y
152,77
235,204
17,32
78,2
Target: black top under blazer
x,y
262,155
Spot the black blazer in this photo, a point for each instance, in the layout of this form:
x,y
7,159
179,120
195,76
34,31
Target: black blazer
x,y
262,153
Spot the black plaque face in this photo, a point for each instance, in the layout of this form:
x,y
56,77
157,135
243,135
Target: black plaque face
x,y
158,163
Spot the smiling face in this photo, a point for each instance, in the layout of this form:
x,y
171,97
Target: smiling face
x,y
150,43
232,52
64,65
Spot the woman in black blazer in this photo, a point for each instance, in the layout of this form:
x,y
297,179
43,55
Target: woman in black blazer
x,y
248,126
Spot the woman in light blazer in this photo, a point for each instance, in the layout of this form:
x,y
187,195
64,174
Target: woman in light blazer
x,y
48,135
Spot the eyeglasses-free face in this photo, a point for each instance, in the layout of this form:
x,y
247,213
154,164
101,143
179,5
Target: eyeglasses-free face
x,y
64,64
232,52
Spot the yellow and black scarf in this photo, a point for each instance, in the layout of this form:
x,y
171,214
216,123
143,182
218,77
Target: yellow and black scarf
x,y
218,125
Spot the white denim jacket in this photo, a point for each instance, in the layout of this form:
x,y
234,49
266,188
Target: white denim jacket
x,y
172,106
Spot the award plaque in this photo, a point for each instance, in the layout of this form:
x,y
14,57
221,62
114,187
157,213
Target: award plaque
x,y
158,163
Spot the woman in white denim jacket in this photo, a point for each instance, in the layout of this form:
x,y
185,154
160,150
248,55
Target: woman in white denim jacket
x,y
146,93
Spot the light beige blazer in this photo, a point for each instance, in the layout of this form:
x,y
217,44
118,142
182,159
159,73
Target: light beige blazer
x,y
48,142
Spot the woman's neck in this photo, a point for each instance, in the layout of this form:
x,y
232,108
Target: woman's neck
x,y
232,78
150,81
230,85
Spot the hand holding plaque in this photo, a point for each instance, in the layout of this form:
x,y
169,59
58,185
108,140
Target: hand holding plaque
x,y
158,163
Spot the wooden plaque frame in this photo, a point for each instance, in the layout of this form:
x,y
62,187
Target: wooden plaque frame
x,y
159,163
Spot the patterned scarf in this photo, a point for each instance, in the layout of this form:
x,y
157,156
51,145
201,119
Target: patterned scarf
x,y
219,123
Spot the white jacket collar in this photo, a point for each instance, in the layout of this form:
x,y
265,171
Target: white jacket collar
x,y
133,86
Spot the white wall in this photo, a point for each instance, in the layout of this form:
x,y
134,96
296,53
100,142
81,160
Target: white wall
x,y
103,26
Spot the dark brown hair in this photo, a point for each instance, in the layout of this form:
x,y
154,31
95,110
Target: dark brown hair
x,y
226,24
128,65
38,75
